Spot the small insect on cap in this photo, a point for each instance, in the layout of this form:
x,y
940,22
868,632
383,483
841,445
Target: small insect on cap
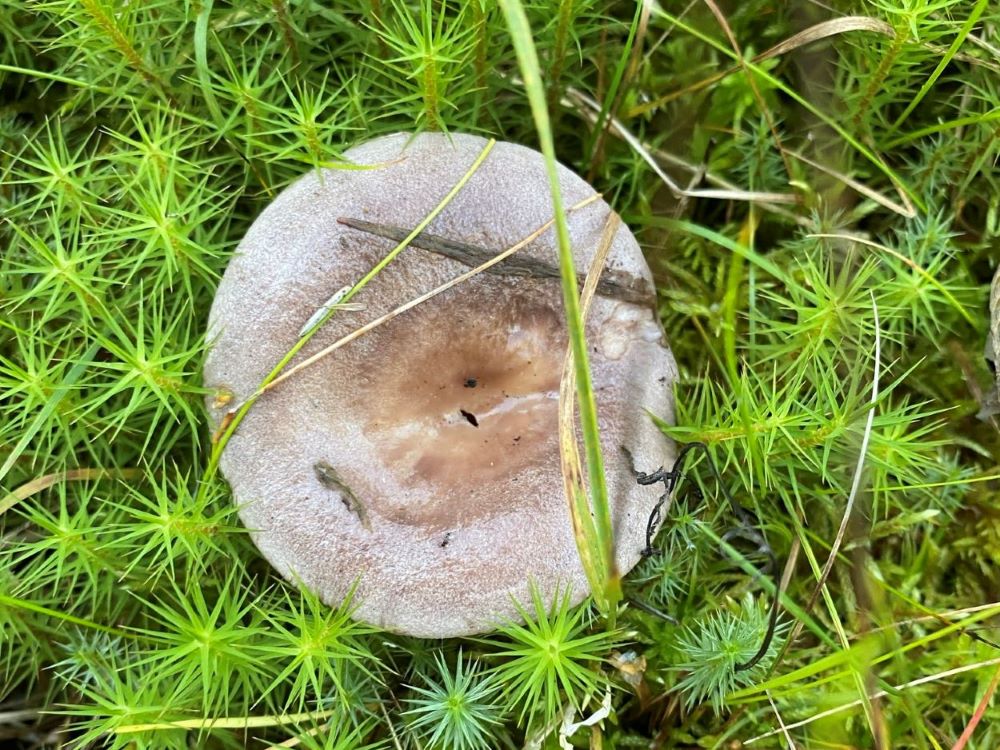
x,y
420,462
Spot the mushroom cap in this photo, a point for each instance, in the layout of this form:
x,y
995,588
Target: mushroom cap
x,y
421,461
991,399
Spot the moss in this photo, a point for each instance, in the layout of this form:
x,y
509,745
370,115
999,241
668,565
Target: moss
x,y
839,189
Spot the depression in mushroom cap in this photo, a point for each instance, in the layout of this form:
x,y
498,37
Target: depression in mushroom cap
x,y
420,462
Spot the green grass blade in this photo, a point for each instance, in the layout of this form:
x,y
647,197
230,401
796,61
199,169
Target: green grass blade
x,y
29,606
74,375
201,62
759,260
946,59
527,57
829,120
609,99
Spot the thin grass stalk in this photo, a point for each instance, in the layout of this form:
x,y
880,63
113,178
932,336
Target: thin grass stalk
x,y
209,723
788,684
812,34
893,690
359,332
941,127
233,418
595,140
584,529
201,28
58,394
907,194
13,602
946,59
35,486
527,57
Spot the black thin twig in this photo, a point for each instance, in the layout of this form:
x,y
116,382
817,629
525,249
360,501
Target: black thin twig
x,y
747,529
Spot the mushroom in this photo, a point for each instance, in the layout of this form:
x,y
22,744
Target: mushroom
x,y
420,463
990,406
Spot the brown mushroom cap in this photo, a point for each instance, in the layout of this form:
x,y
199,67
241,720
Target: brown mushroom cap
x,y
421,461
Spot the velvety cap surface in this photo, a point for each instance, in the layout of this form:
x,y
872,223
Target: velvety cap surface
x,y
421,461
